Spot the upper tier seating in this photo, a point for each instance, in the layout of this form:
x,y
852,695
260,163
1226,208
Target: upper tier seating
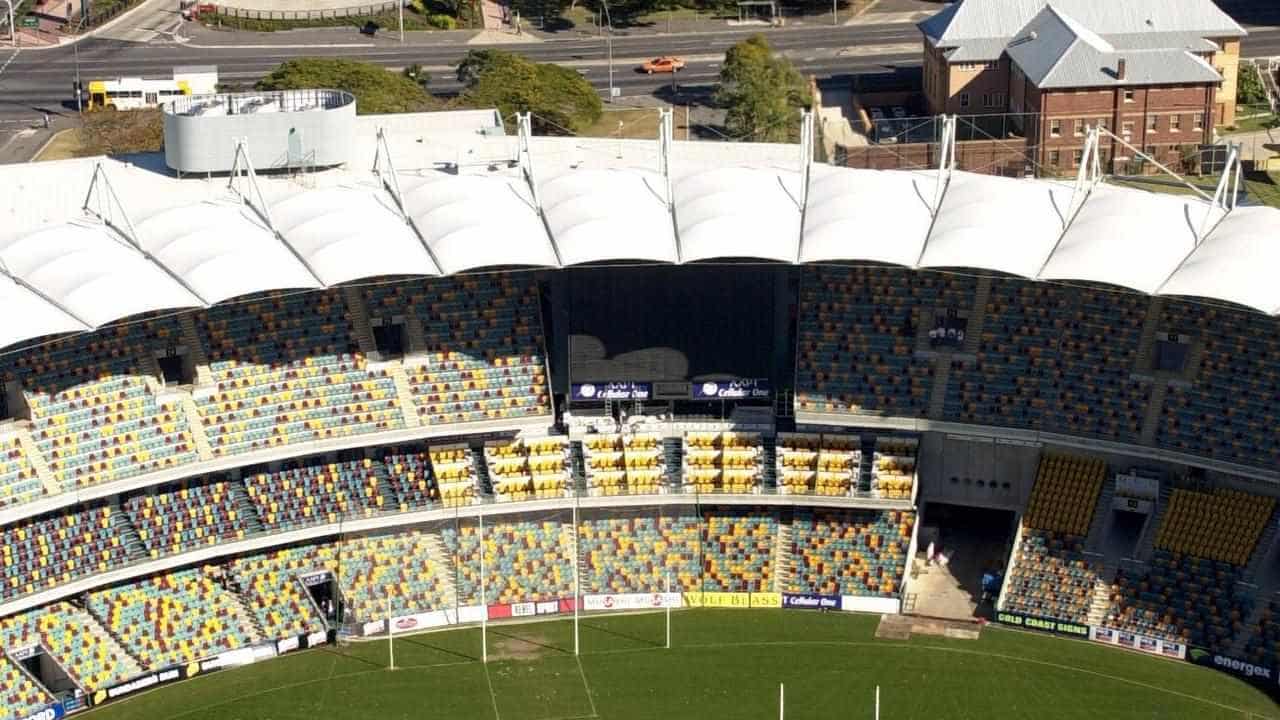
x,y
849,552
454,467
738,549
94,417
273,592
410,476
857,331
1054,357
1182,598
812,464
317,493
483,354
528,469
727,462
20,697
624,464
643,554
1222,525
524,561
1229,412
18,480
42,552
177,518
173,619
288,370
1050,576
91,657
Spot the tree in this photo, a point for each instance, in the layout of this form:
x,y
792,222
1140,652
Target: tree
x,y
761,93
376,90
561,100
1249,90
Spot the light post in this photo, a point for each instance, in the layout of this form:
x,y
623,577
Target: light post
x,y
13,32
608,38
400,8
835,16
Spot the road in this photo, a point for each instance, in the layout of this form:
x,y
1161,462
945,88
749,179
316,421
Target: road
x,y
37,81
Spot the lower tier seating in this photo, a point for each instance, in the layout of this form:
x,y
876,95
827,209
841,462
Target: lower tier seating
x,y
525,561
173,619
739,547
75,640
20,697
1051,577
639,554
849,552
1183,598
271,584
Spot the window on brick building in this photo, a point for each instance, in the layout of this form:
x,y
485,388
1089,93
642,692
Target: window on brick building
x,y
1077,157
1128,96
1175,123
997,99
1152,123
964,99
986,99
1078,127
1055,158
1150,151
1126,128
1197,121
1055,128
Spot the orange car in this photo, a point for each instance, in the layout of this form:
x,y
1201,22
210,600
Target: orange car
x,y
663,65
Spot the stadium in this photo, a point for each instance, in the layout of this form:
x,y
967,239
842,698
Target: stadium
x,y
324,415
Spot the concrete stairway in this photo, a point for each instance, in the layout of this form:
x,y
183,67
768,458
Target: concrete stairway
x,y
443,560
245,508
673,455
1263,550
782,570
1146,341
128,534
1148,540
38,463
938,395
1101,601
195,351
1101,516
360,321
404,395
91,625
231,584
973,334
768,462
1155,410
414,334
196,424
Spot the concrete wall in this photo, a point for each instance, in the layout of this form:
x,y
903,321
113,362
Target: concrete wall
x,y
973,471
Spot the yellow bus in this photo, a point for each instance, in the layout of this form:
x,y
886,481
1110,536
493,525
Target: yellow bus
x,y
134,93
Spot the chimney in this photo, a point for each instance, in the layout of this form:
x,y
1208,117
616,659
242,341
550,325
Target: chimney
x,y
1120,69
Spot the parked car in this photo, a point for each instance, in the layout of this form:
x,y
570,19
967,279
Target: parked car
x,y
664,64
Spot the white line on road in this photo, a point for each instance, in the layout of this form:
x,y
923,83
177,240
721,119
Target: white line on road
x,y
11,57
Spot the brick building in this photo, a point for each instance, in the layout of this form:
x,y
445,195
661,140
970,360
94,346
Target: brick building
x,y
1159,73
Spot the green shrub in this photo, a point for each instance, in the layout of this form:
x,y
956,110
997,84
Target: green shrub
x,y
442,22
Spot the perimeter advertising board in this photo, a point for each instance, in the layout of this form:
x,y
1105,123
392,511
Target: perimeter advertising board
x,y
631,601
50,712
1135,641
810,601
757,388
732,599
1258,674
1043,624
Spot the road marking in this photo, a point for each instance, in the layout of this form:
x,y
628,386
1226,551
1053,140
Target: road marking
x,y
11,58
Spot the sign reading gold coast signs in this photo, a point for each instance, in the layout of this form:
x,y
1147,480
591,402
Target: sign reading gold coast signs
x,y
732,600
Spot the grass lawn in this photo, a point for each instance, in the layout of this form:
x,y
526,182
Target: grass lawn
x,y
109,133
636,123
1261,187
723,665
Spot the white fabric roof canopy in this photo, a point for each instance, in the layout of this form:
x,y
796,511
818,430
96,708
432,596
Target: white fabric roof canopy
x,y
79,273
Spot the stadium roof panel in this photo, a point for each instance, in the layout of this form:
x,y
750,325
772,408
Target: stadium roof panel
x,y
1236,262
221,250
92,273
1127,237
599,215
28,316
997,223
349,233
867,215
475,221
734,211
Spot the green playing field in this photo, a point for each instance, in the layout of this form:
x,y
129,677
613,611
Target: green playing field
x,y
722,665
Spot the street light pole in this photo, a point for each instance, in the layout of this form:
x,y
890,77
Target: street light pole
x,y
400,7
835,17
13,33
608,38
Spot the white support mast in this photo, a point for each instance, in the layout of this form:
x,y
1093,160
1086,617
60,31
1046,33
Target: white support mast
x,y
484,600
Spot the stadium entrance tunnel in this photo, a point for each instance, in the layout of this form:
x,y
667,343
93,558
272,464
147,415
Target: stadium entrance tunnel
x,y
46,671
961,578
